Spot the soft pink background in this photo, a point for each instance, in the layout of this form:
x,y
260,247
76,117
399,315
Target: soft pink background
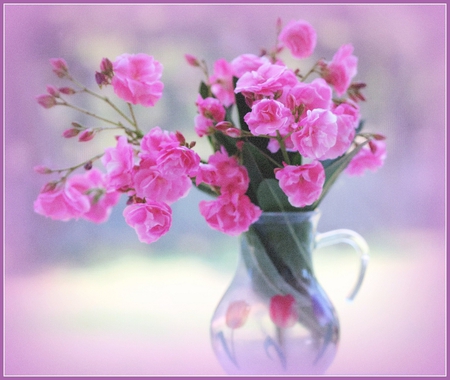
x,y
90,299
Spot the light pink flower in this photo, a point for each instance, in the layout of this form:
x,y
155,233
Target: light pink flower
x,y
157,140
268,117
342,68
317,134
282,311
118,162
230,213
221,82
237,314
266,80
64,202
370,157
150,220
302,184
299,37
224,172
93,184
247,62
347,122
151,184
136,79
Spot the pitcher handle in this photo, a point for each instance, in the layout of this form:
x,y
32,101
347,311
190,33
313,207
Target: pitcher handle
x,y
356,241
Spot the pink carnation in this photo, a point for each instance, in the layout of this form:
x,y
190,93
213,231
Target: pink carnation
x,y
266,80
118,162
302,184
230,213
202,125
177,162
370,157
222,82
151,220
317,134
247,62
136,79
317,94
211,108
64,202
268,117
299,37
342,68
93,184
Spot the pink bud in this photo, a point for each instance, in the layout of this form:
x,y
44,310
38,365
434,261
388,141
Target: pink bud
x,y
106,66
86,135
60,67
49,187
101,79
67,91
52,90
233,132
71,132
191,60
46,101
180,138
223,125
42,169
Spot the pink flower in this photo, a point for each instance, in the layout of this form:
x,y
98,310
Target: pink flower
x,y
136,79
63,202
302,184
247,62
370,157
299,37
118,162
210,108
231,213
93,184
266,80
224,172
151,220
222,82
342,68
177,162
237,314
282,311
151,184
157,140
317,134
268,117
202,125
317,94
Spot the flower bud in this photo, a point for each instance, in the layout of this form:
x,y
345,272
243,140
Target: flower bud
x,y
71,132
106,67
67,90
86,135
378,136
46,101
180,138
60,67
223,126
53,91
191,60
233,132
88,165
42,169
49,187
101,79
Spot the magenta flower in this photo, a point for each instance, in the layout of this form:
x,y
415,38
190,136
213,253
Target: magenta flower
x,y
136,79
247,62
317,134
151,220
93,184
230,213
268,117
317,94
157,140
342,68
282,311
266,80
302,184
299,37
63,202
370,157
118,162
221,82
177,162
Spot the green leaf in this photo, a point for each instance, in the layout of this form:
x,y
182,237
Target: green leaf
x,y
242,107
272,198
204,90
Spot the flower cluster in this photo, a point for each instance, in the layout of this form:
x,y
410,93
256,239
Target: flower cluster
x,y
294,135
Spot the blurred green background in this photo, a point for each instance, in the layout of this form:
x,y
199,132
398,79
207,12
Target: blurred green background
x,y
86,299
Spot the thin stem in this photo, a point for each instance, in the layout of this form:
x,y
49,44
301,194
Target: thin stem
x,y
73,168
266,155
283,148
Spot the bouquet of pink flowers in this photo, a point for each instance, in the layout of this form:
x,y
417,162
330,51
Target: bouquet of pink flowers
x,y
295,133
